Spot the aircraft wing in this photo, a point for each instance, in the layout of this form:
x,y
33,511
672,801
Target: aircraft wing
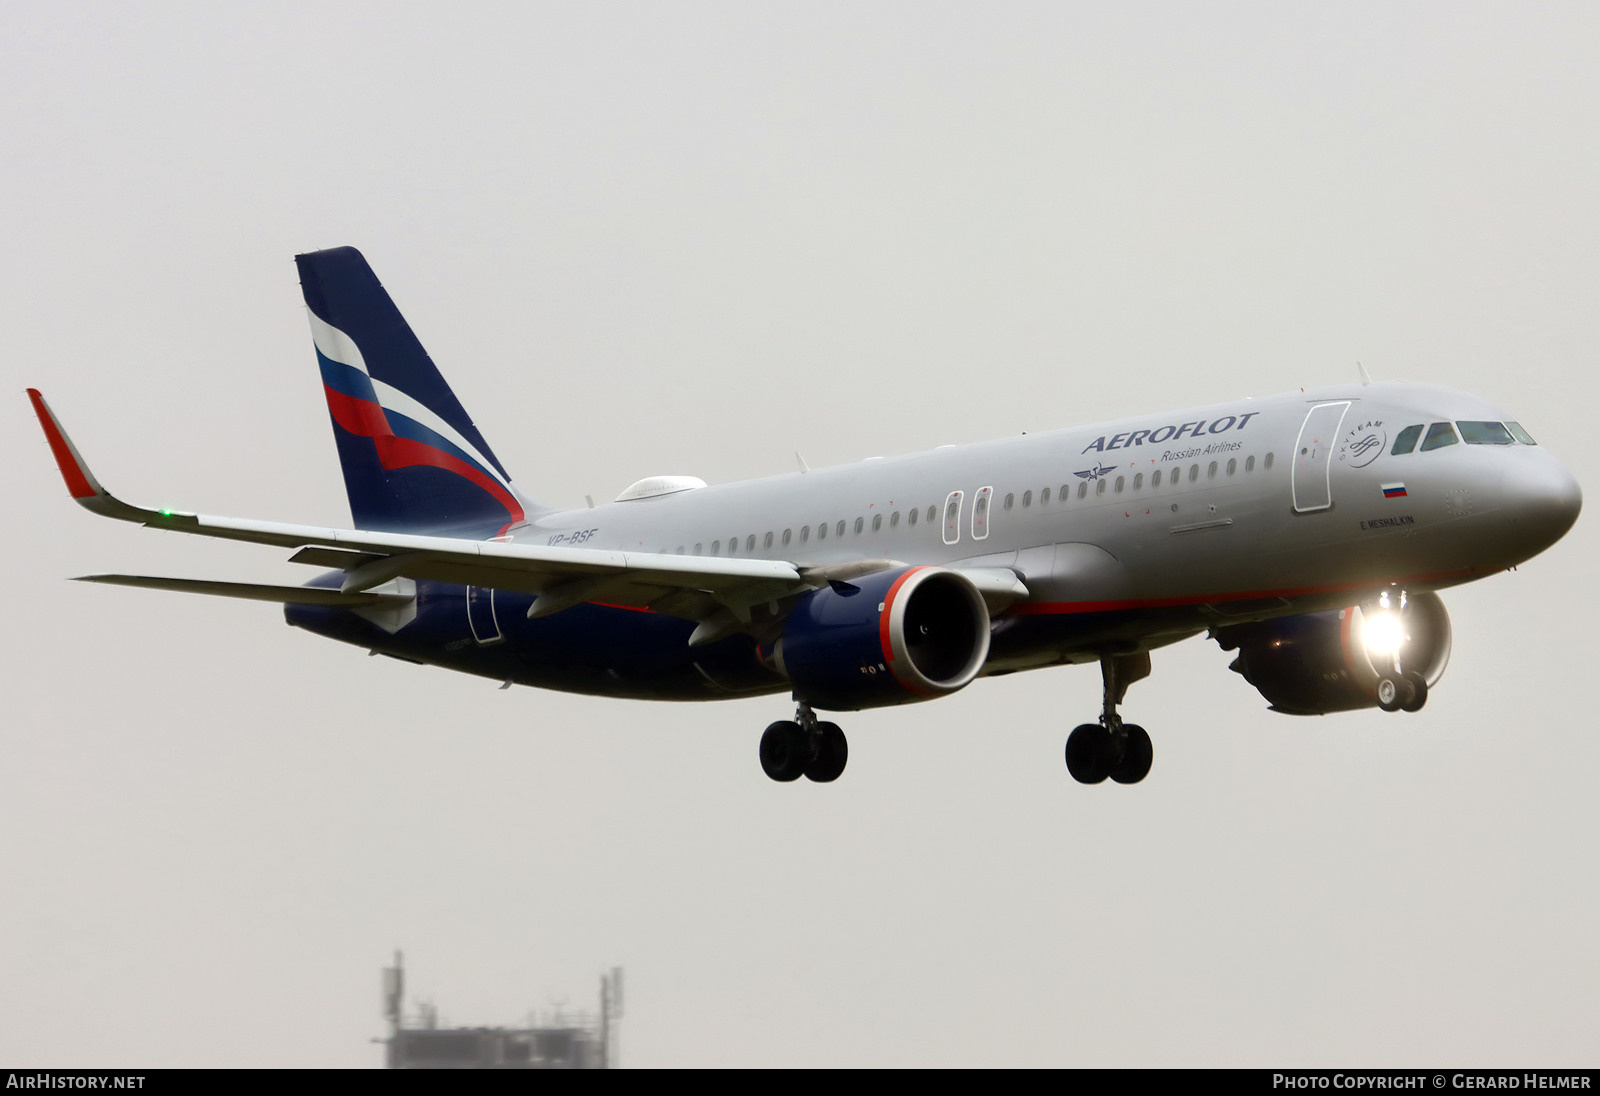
x,y
692,587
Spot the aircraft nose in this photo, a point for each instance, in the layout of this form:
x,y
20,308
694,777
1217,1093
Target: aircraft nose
x,y
1546,500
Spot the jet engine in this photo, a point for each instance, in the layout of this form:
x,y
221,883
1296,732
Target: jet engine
x,y
887,638
1384,654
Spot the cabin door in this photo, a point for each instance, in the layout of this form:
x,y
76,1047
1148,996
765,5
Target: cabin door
x,y
480,615
1312,465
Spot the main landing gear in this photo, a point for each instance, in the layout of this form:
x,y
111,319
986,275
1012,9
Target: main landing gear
x,y
1111,747
804,746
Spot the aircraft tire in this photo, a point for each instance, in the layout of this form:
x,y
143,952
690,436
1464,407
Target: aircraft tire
x,y
1089,753
833,751
1137,756
1419,692
784,751
1391,694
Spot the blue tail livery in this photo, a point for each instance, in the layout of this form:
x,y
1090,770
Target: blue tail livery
x,y
1307,532
413,460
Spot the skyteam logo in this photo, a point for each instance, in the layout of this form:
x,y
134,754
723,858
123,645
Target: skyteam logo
x,y
1363,444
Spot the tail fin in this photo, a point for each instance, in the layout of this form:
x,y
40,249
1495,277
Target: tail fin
x,y
413,461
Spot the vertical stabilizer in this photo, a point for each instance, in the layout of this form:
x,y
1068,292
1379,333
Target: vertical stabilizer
x,y
412,458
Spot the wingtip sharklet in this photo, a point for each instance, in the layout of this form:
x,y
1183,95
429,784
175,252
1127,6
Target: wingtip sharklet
x,y
81,483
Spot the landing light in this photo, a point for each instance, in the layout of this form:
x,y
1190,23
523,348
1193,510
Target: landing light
x,y
1383,633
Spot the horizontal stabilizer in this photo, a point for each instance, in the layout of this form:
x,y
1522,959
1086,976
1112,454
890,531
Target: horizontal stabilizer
x,y
282,595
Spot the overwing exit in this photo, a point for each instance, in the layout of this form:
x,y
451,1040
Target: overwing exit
x,y
1309,532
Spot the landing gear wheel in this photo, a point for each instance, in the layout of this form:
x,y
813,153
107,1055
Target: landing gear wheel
x,y
1112,748
1089,753
1419,695
1391,695
832,753
1137,754
785,751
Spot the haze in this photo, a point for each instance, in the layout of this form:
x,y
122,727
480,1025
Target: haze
x,y
691,239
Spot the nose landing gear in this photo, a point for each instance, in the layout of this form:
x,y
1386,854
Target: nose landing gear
x,y
1111,747
804,746
1406,692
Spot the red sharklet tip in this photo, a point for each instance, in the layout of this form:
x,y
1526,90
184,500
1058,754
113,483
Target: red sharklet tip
x,y
72,472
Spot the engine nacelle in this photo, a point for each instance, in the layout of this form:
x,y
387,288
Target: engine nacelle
x,y
1332,661
887,638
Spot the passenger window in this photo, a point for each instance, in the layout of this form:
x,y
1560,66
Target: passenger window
x,y
750,544
1100,488
894,520
805,533
1211,473
932,510
822,531
877,522
1062,494
838,530
1120,480
716,547
912,520
1009,500
1484,433
1194,472
1406,440
1520,434
1440,434
767,542
1044,496
1250,464
787,533
1155,478
1267,462
1138,481
1027,499
697,548
1083,489
1233,465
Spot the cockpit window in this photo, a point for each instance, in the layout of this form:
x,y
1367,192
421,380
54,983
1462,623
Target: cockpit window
x,y
1406,441
1484,433
1520,434
1440,434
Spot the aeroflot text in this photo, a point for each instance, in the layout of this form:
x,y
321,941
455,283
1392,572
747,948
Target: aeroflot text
x,y
1169,433
1420,1081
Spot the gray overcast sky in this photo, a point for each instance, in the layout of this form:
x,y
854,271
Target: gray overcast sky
x,y
693,238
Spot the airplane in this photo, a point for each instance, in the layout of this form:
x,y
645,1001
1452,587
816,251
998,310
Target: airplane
x,y
1310,532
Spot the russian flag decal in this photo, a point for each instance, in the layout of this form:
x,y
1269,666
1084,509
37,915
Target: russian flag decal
x,y
1394,490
